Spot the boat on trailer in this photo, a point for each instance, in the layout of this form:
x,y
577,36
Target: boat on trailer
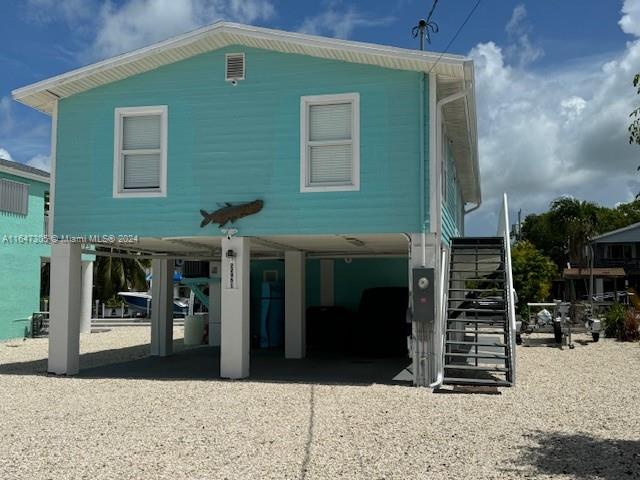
x,y
140,302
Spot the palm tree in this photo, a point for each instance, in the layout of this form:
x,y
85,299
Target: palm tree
x,y
114,274
576,221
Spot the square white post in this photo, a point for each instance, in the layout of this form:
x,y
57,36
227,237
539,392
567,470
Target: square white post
x,y
162,307
295,342
235,334
214,303
64,320
87,290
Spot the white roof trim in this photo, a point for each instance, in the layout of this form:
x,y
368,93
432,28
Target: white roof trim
x,y
22,174
615,232
41,95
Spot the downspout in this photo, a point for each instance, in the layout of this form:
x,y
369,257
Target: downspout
x,y
442,284
474,208
423,216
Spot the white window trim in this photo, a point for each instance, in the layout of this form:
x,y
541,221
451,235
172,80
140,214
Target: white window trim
x,y
118,164
305,103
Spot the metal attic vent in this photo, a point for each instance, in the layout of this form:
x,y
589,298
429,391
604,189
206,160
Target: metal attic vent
x,y
234,66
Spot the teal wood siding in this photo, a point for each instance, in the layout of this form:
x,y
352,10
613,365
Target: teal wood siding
x,y
237,144
452,216
20,262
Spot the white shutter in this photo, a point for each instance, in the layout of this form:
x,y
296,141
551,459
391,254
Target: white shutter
x,y
141,171
141,132
331,164
14,197
330,122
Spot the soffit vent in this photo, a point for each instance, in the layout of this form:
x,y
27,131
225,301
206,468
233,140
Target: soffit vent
x,y
235,66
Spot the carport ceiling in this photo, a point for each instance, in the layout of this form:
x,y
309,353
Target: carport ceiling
x,y
269,246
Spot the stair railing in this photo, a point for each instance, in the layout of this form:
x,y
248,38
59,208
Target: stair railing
x,y
504,231
440,322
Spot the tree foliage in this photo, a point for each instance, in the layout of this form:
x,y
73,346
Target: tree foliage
x,y
634,127
564,230
533,273
118,274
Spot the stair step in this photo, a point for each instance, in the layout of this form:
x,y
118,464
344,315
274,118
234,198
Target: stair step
x,y
477,310
476,382
475,290
478,320
478,279
481,368
474,300
492,356
477,344
479,332
499,253
472,271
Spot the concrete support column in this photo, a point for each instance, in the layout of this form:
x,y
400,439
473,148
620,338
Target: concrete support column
x,y
599,286
64,321
86,306
326,283
295,321
215,296
235,339
162,307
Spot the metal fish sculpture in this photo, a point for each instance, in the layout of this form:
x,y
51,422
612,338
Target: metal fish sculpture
x,y
230,213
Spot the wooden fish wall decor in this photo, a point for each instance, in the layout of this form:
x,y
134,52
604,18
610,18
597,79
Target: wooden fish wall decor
x,y
230,213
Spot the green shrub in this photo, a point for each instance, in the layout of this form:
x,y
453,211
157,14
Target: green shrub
x,y
622,323
631,329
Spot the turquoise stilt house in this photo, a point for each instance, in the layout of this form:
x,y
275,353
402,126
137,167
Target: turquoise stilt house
x,y
363,158
23,192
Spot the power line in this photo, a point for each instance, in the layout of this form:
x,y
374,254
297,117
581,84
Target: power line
x,y
469,15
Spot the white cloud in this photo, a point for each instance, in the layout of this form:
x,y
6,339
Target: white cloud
x,y
630,21
116,27
5,155
136,23
43,162
339,22
71,11
518,31
6,117
553,132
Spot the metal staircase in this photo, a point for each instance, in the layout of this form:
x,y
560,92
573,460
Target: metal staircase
x,y
479,341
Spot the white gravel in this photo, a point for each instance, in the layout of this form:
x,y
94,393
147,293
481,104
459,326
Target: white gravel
x,y
574,414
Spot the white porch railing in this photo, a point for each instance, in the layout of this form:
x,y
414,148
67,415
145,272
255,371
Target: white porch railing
x,y
503,231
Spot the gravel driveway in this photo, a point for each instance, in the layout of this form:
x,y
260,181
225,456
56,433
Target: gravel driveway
x,y
574,414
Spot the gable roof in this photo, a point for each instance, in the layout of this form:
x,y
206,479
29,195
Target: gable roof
x,y
630,233
42,95
454,72
25,171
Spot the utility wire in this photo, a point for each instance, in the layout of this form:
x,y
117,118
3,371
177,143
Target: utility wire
x,y
469,15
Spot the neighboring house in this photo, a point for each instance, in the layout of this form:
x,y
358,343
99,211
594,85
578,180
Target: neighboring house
x,y
618,248
23,192
365,158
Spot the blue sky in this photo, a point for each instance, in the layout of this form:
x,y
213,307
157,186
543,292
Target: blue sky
x,y
553,77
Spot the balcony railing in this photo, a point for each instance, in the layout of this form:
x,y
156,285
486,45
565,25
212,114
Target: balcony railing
x,y
626,263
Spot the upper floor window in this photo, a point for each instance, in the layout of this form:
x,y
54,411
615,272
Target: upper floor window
x,y
140,163
330,143
14,197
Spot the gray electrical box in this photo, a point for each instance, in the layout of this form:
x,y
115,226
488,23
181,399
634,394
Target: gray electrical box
x,y
424,295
